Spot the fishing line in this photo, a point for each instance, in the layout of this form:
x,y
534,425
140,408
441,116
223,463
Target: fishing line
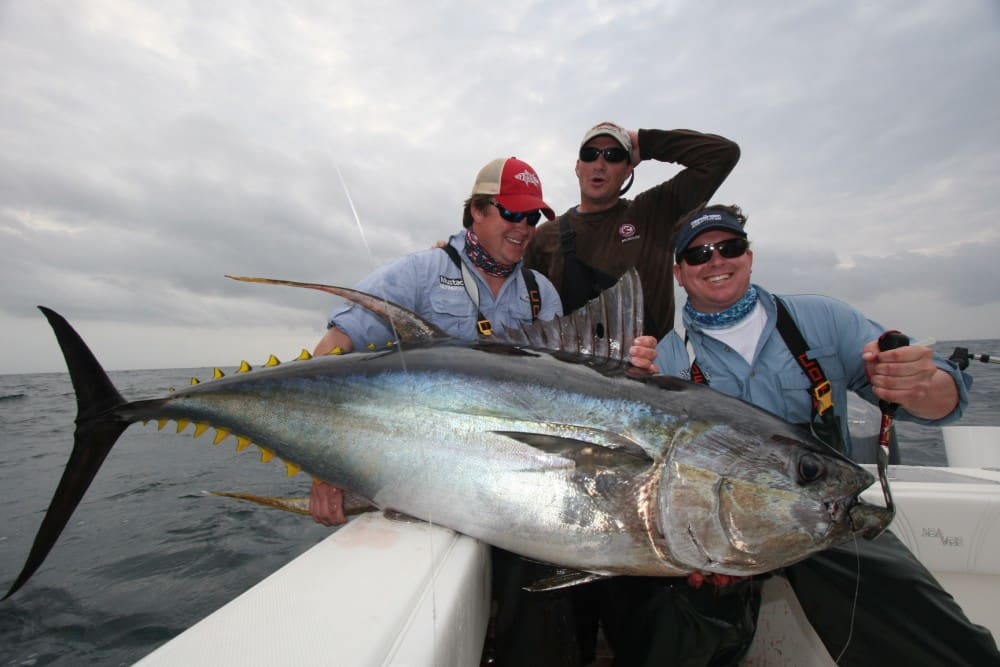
x,y
433,572
854,605
354,212
364,240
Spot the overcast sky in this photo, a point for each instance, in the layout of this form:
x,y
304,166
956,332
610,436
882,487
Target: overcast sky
x,y
149,148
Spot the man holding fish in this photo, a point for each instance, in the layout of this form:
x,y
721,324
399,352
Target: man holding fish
x,y
743,341
478,282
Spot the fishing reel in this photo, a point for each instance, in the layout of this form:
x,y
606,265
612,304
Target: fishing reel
x,y
961,358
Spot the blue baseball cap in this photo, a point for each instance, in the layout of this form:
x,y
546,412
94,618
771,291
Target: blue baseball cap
x,y
704,221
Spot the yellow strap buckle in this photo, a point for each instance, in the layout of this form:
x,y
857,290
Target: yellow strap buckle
x,y
823,396
485,328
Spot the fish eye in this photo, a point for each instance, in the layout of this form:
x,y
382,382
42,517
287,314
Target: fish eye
x,y
810,468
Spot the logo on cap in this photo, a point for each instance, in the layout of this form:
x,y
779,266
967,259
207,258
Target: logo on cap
x,y
529,178
708,217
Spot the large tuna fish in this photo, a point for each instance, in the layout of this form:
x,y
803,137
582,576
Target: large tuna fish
x,y
557,455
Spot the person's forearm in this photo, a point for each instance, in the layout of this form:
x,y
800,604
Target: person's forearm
x,y
333,339
939,400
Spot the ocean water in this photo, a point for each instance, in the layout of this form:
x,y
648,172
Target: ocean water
x,y
148,553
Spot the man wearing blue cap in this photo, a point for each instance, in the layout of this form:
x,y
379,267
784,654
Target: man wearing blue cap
x,y
734,339
872,603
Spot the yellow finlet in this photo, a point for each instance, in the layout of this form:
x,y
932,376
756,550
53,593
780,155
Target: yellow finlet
x,y
293,469
303,355
272,361
160,423
265,455
220,435
217,373
244,367
182,424
336,350
199,428
242,443
370,347
195,381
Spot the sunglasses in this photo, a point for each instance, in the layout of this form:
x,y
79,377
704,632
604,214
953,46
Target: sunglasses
x,y
590,153
729,249
530,217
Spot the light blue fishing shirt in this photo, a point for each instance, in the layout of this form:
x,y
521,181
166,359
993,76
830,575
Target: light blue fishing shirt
x,y
430,284
835,333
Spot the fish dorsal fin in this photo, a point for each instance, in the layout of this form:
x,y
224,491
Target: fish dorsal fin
x,y
600,332
603,329
409,326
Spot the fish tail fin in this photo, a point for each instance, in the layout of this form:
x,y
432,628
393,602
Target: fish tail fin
x,y
97,430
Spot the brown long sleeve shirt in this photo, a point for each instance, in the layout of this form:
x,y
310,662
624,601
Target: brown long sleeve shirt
x,y
640,232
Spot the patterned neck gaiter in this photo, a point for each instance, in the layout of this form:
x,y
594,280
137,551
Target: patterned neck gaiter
x,y
727,317
482,259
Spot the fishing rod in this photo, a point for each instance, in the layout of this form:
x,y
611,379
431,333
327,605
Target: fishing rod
x,y
961,357
887,341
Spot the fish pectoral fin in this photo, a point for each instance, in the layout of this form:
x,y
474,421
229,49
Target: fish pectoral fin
x,y
612,450
400,517
564,578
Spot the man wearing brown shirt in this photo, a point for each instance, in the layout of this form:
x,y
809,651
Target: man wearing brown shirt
x,y
590,246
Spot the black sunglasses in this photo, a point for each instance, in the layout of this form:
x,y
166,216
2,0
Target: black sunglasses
x,y
613,154
530,217
729,249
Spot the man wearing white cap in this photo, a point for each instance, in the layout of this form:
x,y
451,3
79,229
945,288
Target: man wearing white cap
x,y
592,244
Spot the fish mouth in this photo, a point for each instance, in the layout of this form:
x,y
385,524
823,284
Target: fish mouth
x,y
867,520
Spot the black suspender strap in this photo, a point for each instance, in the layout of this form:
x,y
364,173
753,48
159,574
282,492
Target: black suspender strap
x,y
696,374
468,280
580,281
534,294
820,390
567,238
828,427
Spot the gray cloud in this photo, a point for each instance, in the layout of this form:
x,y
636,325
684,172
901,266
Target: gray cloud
x,y
146,150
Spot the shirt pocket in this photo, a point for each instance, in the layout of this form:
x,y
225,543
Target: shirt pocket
x,y
519,310
453,311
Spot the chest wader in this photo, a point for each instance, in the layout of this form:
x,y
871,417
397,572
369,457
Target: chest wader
x,y
580,282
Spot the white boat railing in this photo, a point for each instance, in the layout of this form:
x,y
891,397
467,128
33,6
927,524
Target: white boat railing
x,y
376,592
381,592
